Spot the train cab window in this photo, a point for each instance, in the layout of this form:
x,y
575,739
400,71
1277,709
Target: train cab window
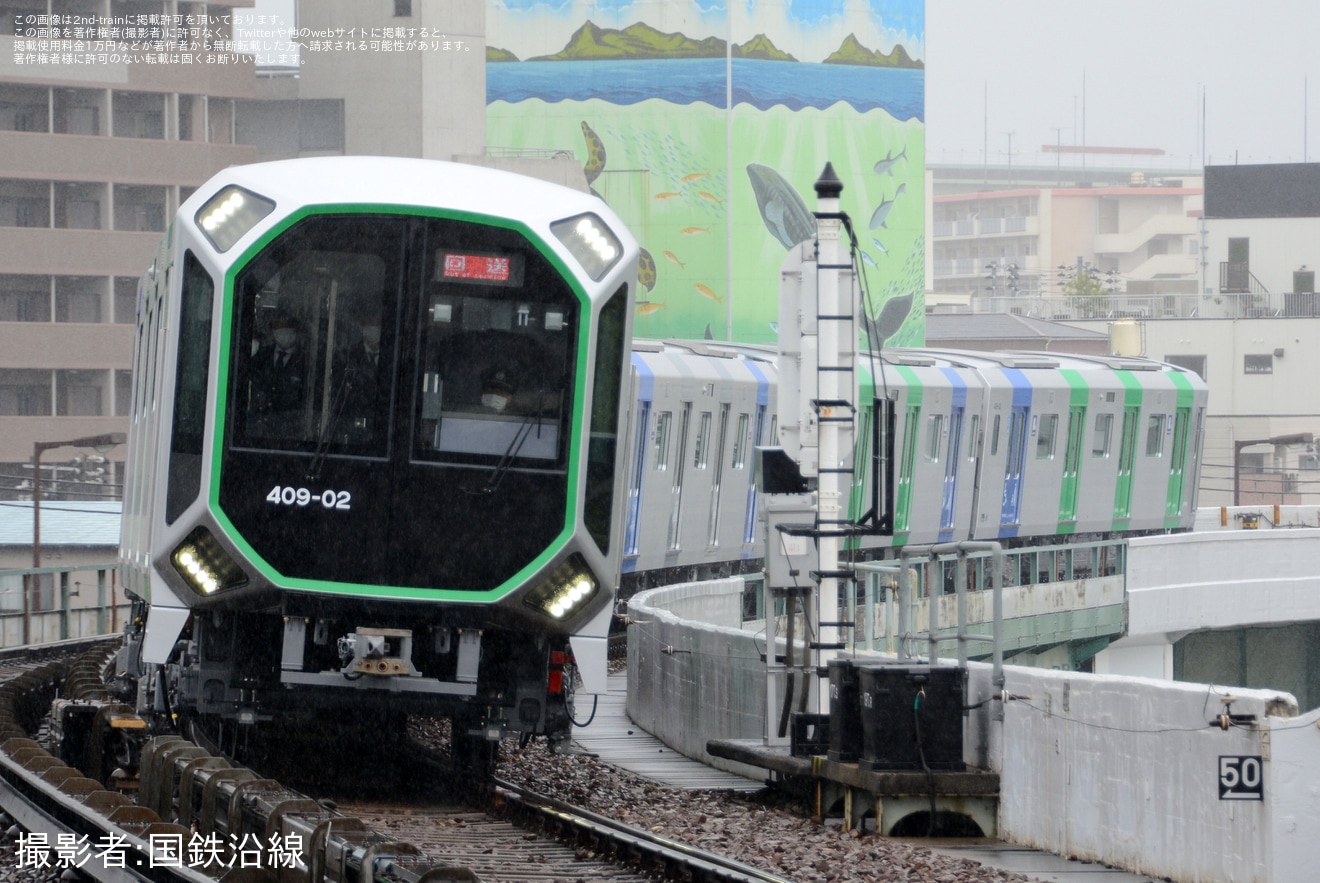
x,y
314,344
1155,435
498,331
1049,427
191,376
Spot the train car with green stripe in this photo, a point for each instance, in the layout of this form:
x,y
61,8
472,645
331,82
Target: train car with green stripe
x,y
1042,444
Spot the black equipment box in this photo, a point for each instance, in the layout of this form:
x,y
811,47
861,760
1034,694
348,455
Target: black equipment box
x,y
911,714
810,734
845,712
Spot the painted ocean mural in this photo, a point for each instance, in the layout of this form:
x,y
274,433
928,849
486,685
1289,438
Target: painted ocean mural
x,y
709,153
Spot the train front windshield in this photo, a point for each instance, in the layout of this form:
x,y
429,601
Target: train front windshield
x,y
441,351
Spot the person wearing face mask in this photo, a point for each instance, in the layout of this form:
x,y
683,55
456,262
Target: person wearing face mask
x,y
278,378
496,391
358,383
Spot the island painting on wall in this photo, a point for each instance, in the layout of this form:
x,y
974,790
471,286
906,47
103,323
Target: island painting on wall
x,y
704,124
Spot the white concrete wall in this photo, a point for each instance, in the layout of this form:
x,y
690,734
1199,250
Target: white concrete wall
x,y
690,681
1126,771
1123,770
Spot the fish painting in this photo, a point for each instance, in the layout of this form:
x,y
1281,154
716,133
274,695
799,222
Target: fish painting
x,y
706,292
879,245
709,197
881,213
892,316
668,194
693,231
782,208
882,210
886,165
646,272
595,163
646,308
695,176
673,257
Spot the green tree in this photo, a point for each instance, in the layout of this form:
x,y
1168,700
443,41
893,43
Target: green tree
x,y
1087,294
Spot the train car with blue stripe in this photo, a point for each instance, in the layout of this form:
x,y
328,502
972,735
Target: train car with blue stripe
x,y
1021,448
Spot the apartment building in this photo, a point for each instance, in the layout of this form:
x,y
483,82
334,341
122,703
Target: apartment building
x,y
111,113
1024,233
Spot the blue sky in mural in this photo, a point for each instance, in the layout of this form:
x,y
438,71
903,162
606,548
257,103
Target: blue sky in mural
x,y
812,28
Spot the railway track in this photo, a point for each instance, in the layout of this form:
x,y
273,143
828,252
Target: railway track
x,y
198,818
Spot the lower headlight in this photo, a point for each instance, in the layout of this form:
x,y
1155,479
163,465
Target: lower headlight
x,y
204,565
568,589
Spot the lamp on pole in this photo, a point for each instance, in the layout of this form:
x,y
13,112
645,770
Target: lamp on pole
x,y
1296,438
101,443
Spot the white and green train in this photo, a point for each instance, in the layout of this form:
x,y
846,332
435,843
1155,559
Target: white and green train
x,y
1014,447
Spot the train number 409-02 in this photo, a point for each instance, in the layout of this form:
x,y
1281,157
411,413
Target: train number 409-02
x,y
301,496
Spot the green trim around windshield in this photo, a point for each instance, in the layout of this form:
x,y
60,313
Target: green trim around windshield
x,y
223,376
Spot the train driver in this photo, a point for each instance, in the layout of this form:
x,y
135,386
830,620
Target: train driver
x,y
278,378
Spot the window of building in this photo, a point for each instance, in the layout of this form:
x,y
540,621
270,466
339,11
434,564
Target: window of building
x,y
80,393
402,8
78,299
1191,363
125,300
1258,363
24,298
24,393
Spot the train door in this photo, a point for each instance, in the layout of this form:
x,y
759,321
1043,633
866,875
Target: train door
x,y
1072,460
1011,511
758,438
635,479
1126,455
673,541
717,477
903,495
948,504
1178,461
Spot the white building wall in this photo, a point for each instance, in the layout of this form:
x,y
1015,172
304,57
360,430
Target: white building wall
x,y
1278,246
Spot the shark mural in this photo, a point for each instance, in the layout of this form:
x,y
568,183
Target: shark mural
x,y
704,125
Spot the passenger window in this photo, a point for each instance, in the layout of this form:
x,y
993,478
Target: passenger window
x,y
1049,425
1155,436
934,435
662,422
994,437
1100,439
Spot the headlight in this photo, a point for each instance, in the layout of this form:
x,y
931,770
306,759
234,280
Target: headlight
x,y
203,564
592,243
570,586
231,213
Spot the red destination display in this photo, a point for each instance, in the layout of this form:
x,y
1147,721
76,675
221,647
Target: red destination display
x,y
477,267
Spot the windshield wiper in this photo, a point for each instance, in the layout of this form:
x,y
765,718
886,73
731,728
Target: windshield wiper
x,y
511,452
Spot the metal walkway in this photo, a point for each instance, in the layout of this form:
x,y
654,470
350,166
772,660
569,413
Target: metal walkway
x,y
615,739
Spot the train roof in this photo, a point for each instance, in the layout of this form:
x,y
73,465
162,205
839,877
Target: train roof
x,y
1027,360
388,180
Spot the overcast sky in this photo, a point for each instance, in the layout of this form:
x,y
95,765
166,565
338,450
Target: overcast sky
x,y
1018,66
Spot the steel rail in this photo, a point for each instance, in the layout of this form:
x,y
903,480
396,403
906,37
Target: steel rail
x,y
676,859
